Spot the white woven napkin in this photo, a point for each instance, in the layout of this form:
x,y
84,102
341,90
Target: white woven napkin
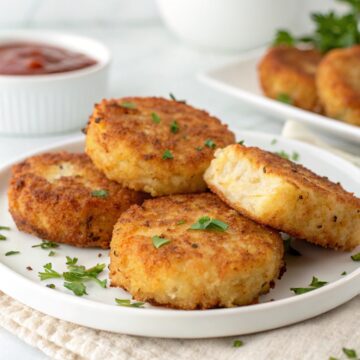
x,y
318,338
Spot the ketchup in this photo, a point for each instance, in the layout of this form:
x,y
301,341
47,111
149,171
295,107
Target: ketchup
x,y
22,58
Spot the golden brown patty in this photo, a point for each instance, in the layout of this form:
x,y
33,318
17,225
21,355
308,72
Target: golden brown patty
x,y
285,196
338,83
62,197
154,145
289,73
197,269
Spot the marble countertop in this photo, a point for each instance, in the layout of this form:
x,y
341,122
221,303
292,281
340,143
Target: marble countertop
x,y
148,60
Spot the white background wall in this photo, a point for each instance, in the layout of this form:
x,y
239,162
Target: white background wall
x,y
78,13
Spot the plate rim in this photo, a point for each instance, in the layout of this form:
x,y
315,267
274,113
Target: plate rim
x,y
151,313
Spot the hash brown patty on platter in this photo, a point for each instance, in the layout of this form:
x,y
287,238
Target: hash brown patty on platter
x,y
286,196
338,83
63,198
154,145
194,269
287,73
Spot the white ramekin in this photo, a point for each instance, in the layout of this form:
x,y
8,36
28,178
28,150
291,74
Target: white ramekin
x,y
53,103
228,25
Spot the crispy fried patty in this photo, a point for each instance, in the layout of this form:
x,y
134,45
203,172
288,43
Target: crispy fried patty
x,y
290,72
286,196
62,197
197,269
155,145
338,83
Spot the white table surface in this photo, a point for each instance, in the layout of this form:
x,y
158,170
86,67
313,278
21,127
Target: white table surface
x,y
148,60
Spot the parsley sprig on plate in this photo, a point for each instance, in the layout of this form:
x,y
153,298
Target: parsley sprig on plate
x,y
128,303
331,30
315,284
3,237
76,275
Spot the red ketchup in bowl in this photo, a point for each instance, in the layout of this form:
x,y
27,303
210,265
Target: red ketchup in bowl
x,y
23,58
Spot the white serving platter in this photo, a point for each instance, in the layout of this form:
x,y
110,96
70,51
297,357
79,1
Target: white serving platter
x,y
240,79
98,309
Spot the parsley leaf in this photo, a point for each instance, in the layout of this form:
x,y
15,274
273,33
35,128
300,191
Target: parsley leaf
x,y
294,155
2,237
49,273
167,155
128,105
343,273
128,303
155,118
199,148
51,253
101,193
210,144
283,37
350,353
172,97
284,98
78,288
181,222
4,227
356,257
238,343
9,253
159,241
71,261
241,142
273,141
46,245
51,286
315,284
174,127
206,223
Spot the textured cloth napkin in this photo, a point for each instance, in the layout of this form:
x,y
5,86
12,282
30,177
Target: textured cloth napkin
x,y
317,338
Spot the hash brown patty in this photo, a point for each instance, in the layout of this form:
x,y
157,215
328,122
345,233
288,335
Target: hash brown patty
x,y
286,196
289,72
338,83
154,145
62,197
197,269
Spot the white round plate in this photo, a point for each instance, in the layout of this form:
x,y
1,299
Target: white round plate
x,y
98,309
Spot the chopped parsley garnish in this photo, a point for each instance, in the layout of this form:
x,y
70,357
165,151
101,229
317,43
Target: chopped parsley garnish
x,y
49,273
71,261
4,227
356,257
51,253
206,223
47,245
10,253
181,222
343,273
172,97
101,193
199,148
51,286
294,156
315,284
155,118
210,144
289,249
241,142
174,127
75,276
159,241
2,237
273,141
128,303
284,98
167,155
238,343
128,105
350,353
